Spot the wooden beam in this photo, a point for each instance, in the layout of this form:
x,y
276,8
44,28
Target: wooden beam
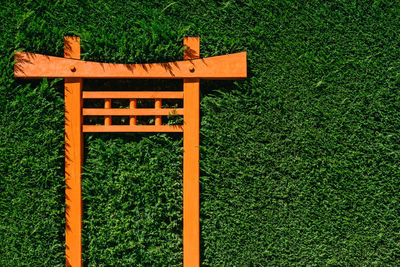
x,y
73,160
131,95
131,112
191,140
29,65
131,128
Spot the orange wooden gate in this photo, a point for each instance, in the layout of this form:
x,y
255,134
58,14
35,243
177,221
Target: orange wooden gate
x,y
73,70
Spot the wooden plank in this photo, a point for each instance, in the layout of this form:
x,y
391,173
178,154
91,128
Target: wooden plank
x,y
29,65
131,112
73,160
131,128
131,95
191,141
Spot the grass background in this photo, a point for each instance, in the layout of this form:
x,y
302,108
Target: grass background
x,y
299,162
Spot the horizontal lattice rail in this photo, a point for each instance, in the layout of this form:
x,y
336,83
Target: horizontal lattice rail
x,y
132,128
132,95
132,111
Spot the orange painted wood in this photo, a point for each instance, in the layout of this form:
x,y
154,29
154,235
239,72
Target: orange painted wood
x,y
107,105
191,140
233,66
29,65
157,106
131,112
132,95
73,160
132,106
131,128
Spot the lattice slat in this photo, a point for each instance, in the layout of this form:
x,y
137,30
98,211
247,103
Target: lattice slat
x,y
131,128
132,106
131,95
131,112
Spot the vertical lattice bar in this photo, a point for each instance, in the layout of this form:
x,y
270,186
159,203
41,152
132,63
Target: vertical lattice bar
x,y
157,105
132,105
73,158
107,104
191,156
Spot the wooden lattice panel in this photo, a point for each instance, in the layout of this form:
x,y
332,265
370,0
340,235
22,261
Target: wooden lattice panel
x,y
108,112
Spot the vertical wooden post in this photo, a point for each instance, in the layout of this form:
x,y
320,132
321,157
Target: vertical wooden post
x,y
73,158
107,105
191,156
132,105
157,105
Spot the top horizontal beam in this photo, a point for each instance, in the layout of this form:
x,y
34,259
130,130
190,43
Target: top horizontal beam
x,y
29,65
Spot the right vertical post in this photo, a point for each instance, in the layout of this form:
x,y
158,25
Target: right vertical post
x,y
191,156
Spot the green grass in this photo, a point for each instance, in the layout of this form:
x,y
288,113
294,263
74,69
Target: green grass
x,y
299,162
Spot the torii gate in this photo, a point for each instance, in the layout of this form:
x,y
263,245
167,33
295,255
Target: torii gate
x,y
73,70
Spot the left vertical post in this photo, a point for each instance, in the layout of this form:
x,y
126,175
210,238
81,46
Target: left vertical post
x,y
73,158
